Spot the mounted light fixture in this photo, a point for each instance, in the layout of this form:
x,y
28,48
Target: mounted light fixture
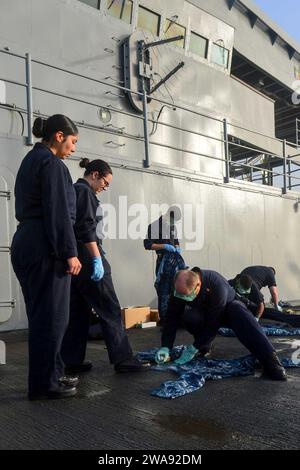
x,y
104,115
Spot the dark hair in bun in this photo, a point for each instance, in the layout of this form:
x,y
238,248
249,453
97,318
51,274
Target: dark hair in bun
x,y
46,128
84,162
39,127
100,166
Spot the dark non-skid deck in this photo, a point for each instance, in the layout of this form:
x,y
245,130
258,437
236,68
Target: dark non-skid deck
x,y
113,411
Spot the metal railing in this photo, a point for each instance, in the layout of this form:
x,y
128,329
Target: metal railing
x,y
298,132
8,303
4,249
289,165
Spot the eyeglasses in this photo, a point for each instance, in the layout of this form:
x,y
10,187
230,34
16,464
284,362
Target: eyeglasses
x,y
105,181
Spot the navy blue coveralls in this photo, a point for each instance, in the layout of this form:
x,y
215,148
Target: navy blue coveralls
x,y
45,208
87,294
215,306
261,275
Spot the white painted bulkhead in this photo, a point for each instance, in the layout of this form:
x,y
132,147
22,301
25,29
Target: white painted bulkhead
x,y
243,223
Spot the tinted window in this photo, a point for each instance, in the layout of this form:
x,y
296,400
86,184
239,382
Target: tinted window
x,y
198,45
121,9
219,55
148,20
173,29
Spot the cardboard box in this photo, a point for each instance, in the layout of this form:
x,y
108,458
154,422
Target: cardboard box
x,y
154,315
133,315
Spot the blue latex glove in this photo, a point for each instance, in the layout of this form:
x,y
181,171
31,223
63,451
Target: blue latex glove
x,y
98,270
162,355
187,355
170,248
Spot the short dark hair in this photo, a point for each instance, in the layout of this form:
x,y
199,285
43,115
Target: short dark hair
x,y
191,277
246,281
100,166
46,128
273,269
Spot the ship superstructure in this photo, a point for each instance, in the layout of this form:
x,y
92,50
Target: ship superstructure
x,y
191,102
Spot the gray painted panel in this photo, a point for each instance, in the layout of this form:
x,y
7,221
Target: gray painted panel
x,y
243,223
254,44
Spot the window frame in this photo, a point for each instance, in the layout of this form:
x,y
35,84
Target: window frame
x,y
183,48
95,8
206,48
118,18
154,13
225,67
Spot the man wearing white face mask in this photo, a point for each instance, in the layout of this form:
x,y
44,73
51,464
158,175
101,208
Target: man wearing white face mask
x,y
264,276
213,304
248,293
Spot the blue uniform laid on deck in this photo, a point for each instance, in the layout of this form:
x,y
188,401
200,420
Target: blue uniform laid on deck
x,y
44,240
214,306
87,294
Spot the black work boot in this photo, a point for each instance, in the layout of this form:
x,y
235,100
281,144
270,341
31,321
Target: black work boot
x,y
61,391
132,365
273,369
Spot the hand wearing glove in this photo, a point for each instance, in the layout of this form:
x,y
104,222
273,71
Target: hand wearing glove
x,y
170,248
244,300
257,319
178,249
98,270
278,308
187,355
162,355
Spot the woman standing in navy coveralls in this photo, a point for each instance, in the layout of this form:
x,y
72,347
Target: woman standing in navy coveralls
x,y
94,288
44,252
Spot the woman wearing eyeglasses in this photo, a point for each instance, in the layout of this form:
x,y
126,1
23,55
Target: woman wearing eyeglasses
x,y
94,287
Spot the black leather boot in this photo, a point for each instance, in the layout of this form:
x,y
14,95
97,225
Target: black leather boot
x,y
61,391
273,369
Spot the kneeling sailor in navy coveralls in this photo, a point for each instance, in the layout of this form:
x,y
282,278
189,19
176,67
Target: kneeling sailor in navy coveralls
x,y
44,252
212,304
93,288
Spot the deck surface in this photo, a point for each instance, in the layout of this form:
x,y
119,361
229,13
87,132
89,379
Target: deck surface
x,y
113,411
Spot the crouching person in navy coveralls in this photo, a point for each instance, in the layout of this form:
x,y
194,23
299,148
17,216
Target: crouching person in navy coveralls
x,y
93,288
44,252
212,304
